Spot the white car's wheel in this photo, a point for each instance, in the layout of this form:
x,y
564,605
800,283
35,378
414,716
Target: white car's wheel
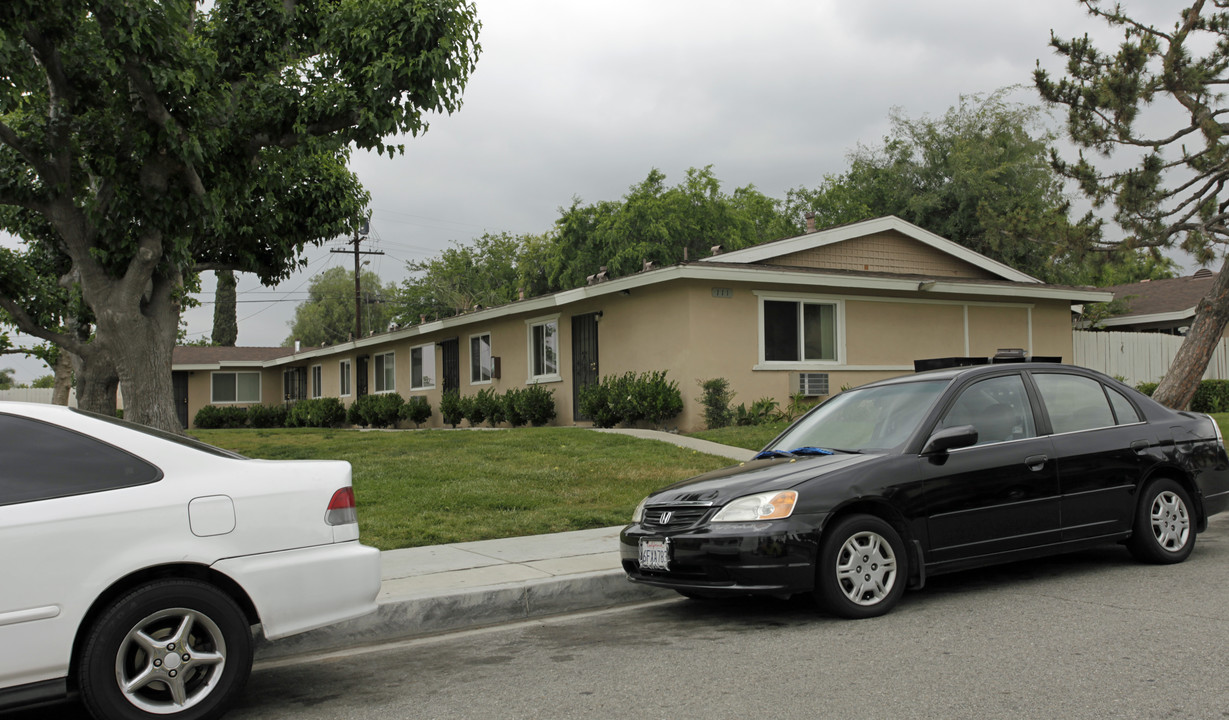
x,y
174,648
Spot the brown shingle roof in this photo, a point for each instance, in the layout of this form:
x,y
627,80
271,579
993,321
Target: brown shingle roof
x,y
1164,296
202,355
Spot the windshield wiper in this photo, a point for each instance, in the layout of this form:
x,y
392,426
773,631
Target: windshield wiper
x,y
806,450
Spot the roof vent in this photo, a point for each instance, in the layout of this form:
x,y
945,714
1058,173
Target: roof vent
x,y
1203,272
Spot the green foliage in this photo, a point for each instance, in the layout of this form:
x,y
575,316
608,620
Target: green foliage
x,y
146,142
379,411
797,405
1211,397
43,381
211,417
473,410
416,410
486,272
491,405
225,310
536,404
327,316
630,398
6,378
268,416
451,408
512,407
324,412
761,411
1147,388
716,398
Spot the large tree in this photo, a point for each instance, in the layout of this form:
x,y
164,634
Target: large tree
x,y
225,310
149,140
327,316
1155,105
488,271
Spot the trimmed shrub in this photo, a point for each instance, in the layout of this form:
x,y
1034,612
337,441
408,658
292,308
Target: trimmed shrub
x,y
376,410
716,400
658,399
491,405
512,407
450,408
416,410
317,413
214,417
267,416
593,401
629,398
537,405
1147,388
473,410
1212,396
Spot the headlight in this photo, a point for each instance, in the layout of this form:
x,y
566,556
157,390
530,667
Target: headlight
x,y
764,506
638,513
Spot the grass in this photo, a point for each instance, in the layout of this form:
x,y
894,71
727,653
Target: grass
x,y
429,487
751,437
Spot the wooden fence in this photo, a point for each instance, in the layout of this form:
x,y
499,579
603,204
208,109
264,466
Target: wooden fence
x,y
1139,357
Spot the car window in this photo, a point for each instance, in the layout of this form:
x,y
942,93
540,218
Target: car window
x,y
1124,411
1074,402
39,461
997,407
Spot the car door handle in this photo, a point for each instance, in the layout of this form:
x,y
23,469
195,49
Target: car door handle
x,y
1139,446
1035,462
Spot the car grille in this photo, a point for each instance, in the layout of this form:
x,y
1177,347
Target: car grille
x,y
674,517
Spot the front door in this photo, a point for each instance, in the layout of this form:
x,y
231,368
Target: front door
x,y
584,357
179,382
450,350
360,375
294,382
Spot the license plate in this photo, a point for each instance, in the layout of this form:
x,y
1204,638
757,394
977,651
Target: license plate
x,y
654,554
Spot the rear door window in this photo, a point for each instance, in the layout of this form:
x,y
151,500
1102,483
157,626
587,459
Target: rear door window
x,y
1074,402
40,461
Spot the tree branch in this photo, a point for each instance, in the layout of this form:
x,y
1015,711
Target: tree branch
x,y
27,324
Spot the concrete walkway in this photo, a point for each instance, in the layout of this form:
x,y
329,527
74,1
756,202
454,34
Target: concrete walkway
x,y
441,588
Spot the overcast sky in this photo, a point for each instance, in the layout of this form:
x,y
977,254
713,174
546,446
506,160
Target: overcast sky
x,y
583,99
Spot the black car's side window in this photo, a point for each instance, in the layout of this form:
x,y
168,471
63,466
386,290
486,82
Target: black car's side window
x,y
39,461
1074,402
1124,411
997,407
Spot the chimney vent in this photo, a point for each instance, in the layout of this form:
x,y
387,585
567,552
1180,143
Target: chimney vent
x,y
810,222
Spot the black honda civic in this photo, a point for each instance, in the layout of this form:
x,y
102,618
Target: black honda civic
x,y
885,485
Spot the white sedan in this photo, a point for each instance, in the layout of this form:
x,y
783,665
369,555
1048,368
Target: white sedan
x,y
134,563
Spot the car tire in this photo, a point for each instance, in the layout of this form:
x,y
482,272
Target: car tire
x,y
862,568
1164,527
177,649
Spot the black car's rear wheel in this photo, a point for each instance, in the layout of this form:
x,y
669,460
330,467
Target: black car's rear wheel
x,y
862,568
1164,529
173,649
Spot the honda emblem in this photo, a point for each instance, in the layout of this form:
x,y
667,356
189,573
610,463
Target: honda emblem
x,y
665,517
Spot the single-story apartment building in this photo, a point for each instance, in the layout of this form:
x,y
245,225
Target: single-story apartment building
x,y
1165,306
812,314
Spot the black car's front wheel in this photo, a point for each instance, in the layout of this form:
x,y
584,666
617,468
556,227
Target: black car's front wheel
x,y
862,568
1164,529
173,648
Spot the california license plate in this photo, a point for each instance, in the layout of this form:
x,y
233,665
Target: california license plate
x,y
654,554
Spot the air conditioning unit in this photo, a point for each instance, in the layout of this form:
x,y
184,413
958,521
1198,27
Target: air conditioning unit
x,y
808,384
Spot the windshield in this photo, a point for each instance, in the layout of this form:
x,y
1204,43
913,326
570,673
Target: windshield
x,y
870,419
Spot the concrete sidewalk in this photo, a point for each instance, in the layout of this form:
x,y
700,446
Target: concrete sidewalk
x,y
464,585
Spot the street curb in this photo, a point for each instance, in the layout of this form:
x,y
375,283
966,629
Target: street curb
x,y
462,610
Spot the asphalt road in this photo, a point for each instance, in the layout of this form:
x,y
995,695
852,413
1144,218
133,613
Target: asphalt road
x,y
1091,635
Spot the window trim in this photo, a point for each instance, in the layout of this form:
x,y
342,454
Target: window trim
x,y
259,387
491,355
378,374
344,380
316,390
549,377
838,303
425,386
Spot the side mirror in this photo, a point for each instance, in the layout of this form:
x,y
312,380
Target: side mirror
x,y
950,439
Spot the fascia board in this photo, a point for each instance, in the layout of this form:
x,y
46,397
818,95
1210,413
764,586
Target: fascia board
x,y
1189,313
823,238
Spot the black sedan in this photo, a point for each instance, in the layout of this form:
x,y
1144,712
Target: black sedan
x,y
882,486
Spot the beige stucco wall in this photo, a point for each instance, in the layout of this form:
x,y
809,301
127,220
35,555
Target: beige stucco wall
x,y
890,252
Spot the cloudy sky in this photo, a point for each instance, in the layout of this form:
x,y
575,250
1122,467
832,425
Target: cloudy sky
x,y
580,99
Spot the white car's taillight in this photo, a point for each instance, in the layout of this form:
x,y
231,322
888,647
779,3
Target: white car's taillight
x,y
342,510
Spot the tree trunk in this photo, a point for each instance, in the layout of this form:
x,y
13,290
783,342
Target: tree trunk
x,y
1178,386
97,383
63,378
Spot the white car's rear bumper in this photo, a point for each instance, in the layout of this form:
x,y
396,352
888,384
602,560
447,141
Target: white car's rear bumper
x,y
299,590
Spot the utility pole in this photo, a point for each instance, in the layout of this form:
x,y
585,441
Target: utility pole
x,y
360,234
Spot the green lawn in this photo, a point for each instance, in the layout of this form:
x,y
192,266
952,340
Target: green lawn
x,y
751,437
428,487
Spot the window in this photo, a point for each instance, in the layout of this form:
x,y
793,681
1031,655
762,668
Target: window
x,y
422,367
798,331
343,378
480,358
544,350
1075,403
235,387
1124,411
317,381
997,407
385,366
40,461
